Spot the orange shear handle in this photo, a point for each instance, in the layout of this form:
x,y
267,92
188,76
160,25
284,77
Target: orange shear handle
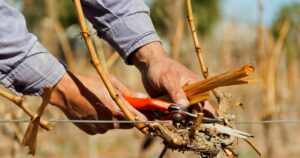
x,y
148,104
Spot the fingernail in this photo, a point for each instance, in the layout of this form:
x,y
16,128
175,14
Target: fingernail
x,y
183,102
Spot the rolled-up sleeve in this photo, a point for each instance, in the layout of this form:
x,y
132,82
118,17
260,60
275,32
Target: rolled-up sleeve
x,y
25,65
125,24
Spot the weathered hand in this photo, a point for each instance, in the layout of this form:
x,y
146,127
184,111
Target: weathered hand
x,y
162,74
86,98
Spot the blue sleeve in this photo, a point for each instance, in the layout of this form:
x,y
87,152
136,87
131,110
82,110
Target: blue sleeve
x,y
25,65
125,24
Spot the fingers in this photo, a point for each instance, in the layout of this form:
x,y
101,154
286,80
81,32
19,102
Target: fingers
x,y
120,116
118,125
92,102
176,93
179,97
116,112
124,90
206,108
137,114
209,110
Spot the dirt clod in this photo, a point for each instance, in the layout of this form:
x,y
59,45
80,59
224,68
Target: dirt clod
x,y
207,143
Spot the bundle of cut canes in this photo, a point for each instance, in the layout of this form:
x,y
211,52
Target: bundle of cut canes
x,y
198,92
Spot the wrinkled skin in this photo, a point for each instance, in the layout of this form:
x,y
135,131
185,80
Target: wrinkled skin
x,y
83,97
162,74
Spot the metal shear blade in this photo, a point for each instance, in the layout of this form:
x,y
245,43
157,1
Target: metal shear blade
x,y
228,130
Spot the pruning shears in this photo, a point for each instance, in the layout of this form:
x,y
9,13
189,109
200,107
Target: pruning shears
x,y
162,110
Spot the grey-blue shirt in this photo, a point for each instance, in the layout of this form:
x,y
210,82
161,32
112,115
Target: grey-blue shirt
x,y
26,66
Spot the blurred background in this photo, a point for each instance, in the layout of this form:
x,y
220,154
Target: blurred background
x,y
265,33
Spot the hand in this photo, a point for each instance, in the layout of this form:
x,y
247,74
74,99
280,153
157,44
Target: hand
x,y
162,74
86,98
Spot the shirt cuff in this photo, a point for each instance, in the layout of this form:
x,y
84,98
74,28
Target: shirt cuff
x,y
130,33
36,71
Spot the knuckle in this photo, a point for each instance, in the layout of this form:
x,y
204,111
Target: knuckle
x,y
91,131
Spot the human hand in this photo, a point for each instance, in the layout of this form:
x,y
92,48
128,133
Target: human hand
x,y
162,74
86,98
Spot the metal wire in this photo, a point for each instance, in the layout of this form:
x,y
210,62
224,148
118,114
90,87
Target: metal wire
x,y
156,121
269,122
83,121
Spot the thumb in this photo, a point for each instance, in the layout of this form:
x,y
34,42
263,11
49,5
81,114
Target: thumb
x,y
177,94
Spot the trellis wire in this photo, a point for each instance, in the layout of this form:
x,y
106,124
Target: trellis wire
x,y
155,121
